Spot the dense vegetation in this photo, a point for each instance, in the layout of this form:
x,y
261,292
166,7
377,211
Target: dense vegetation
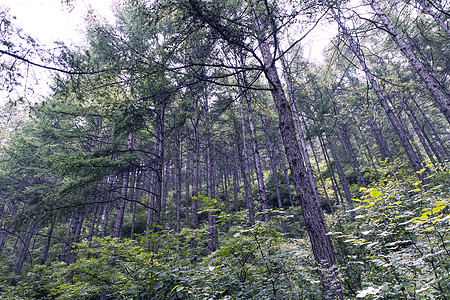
x,y
184,154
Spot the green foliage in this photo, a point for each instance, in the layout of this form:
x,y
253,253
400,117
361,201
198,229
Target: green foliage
x,y
258,263
114,269
255,262
397,246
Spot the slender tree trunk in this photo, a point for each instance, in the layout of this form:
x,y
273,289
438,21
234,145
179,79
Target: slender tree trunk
x,y
256,156
288,182
245,166
92,226
318,167
195,172
178,166
338,164
301,136
381,142
188,198
312,212
117,232
395,123
425,139
274,172
431,128
136,195
370,154
437,88
343,136
5,228
159,169
226,184
66,242
334,183
76,232
111,182
47,245
419,133
210,185
23,250
235,181
426,8
165,188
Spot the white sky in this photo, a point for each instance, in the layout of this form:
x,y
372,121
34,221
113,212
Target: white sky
x,y
48,21
52,20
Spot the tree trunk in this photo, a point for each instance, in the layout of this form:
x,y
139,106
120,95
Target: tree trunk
x,y
210,185
235,181
436,87
117,232
245,167
111,181
299,128
188,198
370,154
426,8
336,189
158,190
343,136
47,245
318,167
178,166
312,212
419,133
274,173
381,142
338,164
165,188
23,250
195,171
257,159
288,182
444,148
395,123
92,226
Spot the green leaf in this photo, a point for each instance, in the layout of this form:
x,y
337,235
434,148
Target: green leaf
x,y
421,171
424,217
374,193
438,209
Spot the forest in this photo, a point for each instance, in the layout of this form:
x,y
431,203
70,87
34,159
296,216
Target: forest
x,y
191,150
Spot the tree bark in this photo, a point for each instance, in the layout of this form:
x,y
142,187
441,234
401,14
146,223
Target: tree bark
x,y
299,128
419,133
256,156
338,164
444,148
245,167
426,8
117,232
195,169
440,94
334,184
395,123
274,173
47,245
312,212
178,166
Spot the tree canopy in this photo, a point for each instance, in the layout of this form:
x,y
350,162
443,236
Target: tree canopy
x,y
191,151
